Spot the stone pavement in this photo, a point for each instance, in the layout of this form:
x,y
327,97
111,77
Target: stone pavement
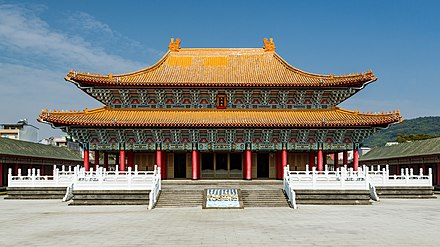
x,y
53,223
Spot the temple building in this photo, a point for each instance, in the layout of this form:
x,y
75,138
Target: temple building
x,y
220,113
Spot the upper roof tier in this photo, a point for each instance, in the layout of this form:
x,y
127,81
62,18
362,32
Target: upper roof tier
x,y
221,67
213,118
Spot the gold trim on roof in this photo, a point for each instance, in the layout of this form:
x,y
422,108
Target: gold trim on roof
x,y
221,67
245,118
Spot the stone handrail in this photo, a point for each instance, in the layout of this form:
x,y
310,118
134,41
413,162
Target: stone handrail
x,y
156,187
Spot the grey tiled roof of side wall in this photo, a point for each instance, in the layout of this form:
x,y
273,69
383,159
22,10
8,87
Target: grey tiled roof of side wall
x,y
30,149
409,149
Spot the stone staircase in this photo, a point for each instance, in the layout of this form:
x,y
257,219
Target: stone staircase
x,y
264,198
405,192
189,193
180,198
333,197
110,197
35,193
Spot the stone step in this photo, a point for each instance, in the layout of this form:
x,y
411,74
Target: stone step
x,y
108,202
180,198
35,193
110,197
333,197
264,198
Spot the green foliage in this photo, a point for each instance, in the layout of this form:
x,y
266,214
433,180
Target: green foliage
x,y
418,126
413,137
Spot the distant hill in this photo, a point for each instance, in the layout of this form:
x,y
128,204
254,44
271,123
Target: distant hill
x,y
423,125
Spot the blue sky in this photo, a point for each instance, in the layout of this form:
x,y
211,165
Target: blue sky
x,y
40,41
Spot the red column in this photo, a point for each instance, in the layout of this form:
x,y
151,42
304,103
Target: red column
x,y
336,161
247,165
397,170
195,164
16,169
42,170
311,159
122,160
284,158
1,174
424,169
86,159
105,160
320,160
130,159
279,165
345,158
96,159
161,162
438,174
355,159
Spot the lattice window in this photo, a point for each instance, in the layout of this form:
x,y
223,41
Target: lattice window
x,y
212,136
230,136
177,94
285,135
320,136
300,97
303,136
282,97
194,135
266,135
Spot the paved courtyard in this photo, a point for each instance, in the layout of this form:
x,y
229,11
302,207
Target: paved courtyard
x,y
53,223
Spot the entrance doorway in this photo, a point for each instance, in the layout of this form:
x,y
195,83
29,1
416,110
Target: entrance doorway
x,y
179,165
235,165
263,165
221,165
207,165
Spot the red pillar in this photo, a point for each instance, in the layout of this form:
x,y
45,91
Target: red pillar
x,y
130,159
86,159
438,174
424,169
42,170
105,160
1,174
122,160
195,164
397,170
284,158
96,159
248,165
345,158
16,169
336,161
320,160
355,159
311,159
161,162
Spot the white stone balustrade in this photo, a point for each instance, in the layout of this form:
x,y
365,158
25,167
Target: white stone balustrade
x,y
383,178
341,179
60,178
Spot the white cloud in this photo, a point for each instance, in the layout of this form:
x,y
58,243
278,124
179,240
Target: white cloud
x,y
35,58
25,33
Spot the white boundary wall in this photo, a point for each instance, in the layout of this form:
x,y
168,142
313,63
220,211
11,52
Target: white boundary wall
x,y
100,179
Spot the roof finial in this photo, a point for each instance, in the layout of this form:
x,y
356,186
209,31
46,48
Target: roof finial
x,y
269,45
174,45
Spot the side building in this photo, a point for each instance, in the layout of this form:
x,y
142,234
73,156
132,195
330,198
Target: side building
x,y
15,154
414,155
220,113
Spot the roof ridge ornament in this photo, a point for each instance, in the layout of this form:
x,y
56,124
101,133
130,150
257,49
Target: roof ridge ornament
x,y
174,45
269,45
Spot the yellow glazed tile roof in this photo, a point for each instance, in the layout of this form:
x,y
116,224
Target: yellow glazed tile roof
x,y
246,118
221,67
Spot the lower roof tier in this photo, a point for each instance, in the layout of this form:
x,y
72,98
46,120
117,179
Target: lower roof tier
x,y
215,118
